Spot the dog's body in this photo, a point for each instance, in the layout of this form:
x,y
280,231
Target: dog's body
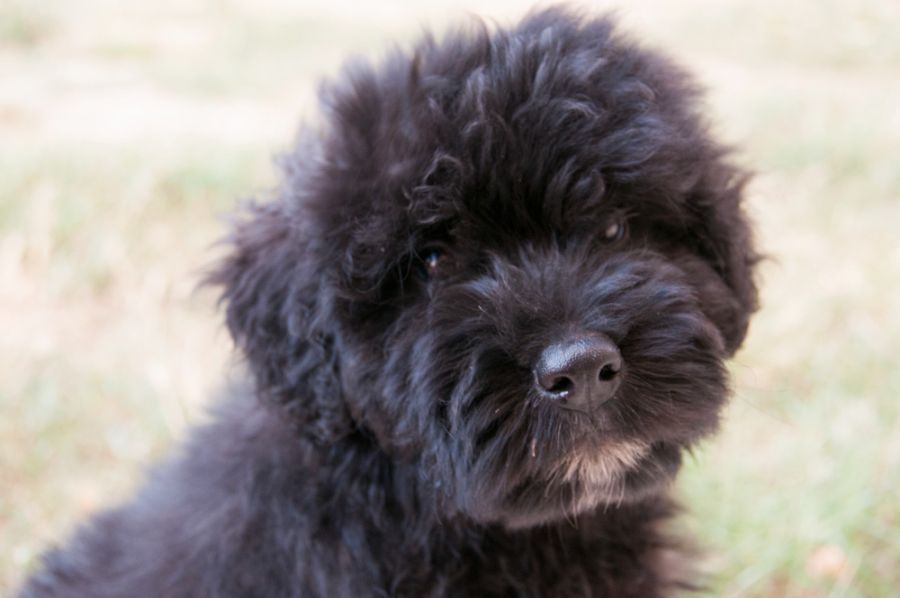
x,y
484,317
241,515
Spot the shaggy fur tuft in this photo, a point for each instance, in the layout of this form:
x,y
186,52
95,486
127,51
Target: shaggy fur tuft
x,y
466,206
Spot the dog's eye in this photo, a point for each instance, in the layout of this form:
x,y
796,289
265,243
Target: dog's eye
x,y
430,260
615,229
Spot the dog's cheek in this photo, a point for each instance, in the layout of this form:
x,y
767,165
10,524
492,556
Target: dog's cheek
x,y
717,302
387,372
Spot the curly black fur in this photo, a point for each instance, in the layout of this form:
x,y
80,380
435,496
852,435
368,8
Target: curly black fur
x,y
445,226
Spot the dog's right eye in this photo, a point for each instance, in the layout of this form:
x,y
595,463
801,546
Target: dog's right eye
x,y
430,260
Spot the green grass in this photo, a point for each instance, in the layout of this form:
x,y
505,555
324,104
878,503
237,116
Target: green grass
x,y
25,24
126,130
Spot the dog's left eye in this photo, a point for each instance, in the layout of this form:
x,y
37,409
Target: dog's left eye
x,y
615,229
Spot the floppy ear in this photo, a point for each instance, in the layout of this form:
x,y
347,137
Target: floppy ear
x,y
725,240
274,311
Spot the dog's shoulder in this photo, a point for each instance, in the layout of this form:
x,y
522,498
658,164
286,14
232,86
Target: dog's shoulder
x,y
230,508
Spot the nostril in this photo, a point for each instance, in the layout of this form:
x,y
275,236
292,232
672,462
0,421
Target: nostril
x,y
561,386
608,372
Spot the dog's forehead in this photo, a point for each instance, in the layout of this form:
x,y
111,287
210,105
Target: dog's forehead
x,y
547,126
542,126
502,202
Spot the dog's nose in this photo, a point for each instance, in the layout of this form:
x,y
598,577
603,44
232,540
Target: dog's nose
x,y
580,372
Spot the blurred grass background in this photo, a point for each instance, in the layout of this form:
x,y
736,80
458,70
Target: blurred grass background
x,y
128,129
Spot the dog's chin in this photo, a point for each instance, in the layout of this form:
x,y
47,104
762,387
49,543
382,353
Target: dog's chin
x,y
617,474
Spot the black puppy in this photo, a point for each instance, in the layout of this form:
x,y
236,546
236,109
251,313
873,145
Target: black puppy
x,y
485,316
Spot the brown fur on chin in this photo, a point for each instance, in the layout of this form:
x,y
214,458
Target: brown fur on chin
x,y
449,222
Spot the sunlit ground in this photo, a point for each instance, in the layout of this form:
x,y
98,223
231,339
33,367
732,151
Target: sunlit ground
x,y
126,133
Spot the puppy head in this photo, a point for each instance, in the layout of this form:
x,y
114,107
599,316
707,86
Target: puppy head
x,y
515,258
